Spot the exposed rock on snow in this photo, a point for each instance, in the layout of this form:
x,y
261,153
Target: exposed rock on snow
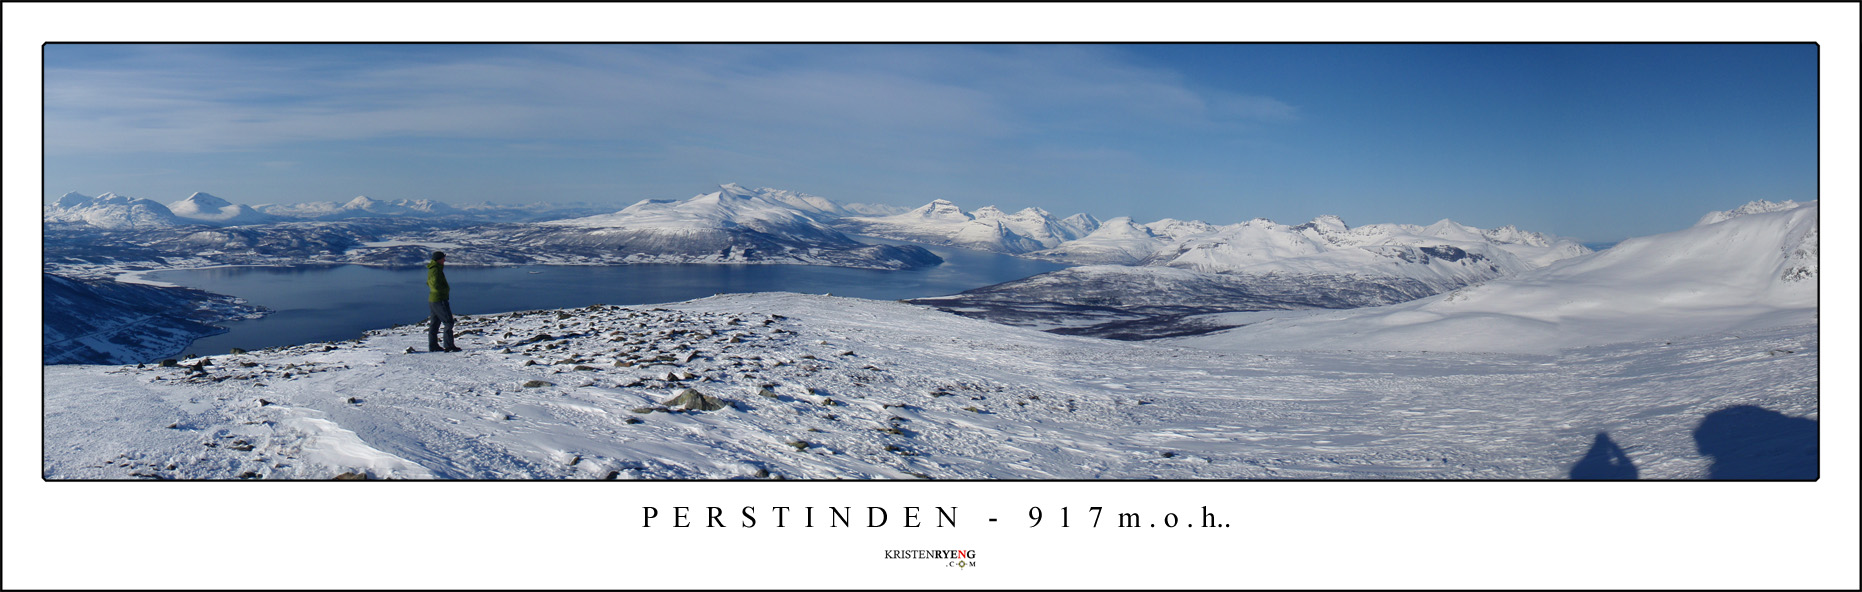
x,y
692,400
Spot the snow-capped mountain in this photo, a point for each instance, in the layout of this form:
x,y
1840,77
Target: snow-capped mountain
x,y
110,211
108,322
1324,245
1118,241
1445,254
731,225
204,207
941,222
1754,266
1037,225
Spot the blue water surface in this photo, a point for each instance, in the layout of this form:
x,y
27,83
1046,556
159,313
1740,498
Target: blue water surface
x,y
335,303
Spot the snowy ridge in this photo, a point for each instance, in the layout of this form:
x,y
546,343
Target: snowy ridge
x,y
789,386
1753,207
1757,269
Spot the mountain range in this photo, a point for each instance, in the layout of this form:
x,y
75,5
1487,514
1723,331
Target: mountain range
x,y
1755,266
115,212
1155,280
987,229
731,225
1135,281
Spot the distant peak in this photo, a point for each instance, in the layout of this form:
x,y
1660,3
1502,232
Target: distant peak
x,y
1754,207
71,199
1328,223
205,199
734,190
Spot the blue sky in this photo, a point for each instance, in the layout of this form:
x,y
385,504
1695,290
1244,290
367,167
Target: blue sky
x,y
1596,142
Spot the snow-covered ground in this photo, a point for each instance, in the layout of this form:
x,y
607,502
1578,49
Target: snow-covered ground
x,y
819,387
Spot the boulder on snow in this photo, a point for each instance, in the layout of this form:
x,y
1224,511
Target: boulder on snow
x,y
692,400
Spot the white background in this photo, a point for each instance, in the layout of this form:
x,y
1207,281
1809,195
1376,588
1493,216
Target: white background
x,y
588,535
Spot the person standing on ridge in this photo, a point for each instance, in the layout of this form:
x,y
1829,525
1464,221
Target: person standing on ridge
x,y
439,304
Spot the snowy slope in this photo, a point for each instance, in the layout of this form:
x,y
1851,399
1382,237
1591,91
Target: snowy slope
x,y
1118,241
812,205
1754,267
107,322
815,387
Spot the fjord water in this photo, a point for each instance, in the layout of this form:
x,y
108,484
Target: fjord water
x,y
335,303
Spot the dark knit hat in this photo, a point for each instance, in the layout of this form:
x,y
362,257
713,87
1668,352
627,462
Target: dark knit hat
x,y
437,255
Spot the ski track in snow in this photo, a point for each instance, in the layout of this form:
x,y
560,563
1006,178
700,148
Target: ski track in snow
x,y
914,393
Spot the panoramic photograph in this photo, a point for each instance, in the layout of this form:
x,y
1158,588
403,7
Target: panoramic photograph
x,y
946,296
930,261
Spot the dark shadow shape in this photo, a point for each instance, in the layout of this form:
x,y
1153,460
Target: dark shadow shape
x,y
1748,442
1605,460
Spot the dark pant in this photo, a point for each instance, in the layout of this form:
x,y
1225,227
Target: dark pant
x,y
442,314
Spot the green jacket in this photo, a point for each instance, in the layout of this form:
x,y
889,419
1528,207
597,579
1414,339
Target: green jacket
x,y
437,290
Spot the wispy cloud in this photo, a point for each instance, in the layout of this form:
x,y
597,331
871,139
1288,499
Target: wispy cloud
x,y
843,99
